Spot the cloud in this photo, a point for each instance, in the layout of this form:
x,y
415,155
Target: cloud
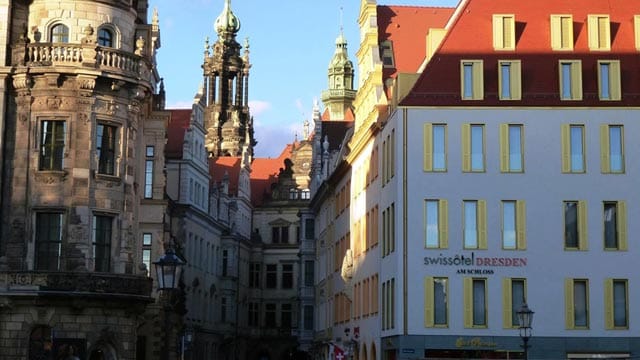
x,y
180,104
259,107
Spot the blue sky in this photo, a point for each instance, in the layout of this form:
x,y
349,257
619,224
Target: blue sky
x,y
291,43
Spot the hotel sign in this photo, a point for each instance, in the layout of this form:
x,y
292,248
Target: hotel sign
x,y
475,342
476,265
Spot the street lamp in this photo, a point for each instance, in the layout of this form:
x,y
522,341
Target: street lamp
x,y
168,271
525,318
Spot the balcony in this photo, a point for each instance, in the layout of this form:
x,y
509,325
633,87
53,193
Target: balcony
x,y
60,283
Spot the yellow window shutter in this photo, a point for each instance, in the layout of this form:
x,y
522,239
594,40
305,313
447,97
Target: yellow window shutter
x,y
428,302
466,147
583,240
428,147
443,225
556,28
566,147
592,24
622,226
521,219
603,33
608,304
478,80
468,302
516,80
504,147
498,32
604,149
569,316
614,80
507,322
566,36
576,80
482,224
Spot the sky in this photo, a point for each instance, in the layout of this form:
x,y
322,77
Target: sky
x,y
291,43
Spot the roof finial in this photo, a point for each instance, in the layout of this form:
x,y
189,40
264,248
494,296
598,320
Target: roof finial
x,y
341,19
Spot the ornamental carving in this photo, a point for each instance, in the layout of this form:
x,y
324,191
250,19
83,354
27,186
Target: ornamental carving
x,y
86,84
50,177
54,103
21,82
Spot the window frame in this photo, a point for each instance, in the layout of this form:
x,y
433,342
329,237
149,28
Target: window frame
x,y
568,163
430,147
558,36
149,166
574,93
441,222
468,154
581,225
519,220
431,305
271,276
509,304
515,79
146,250
104,242
471,305
504,32
610,303
505,148
571,311
56,36
107,163
595,34
108,41
48,242
472,88
606,153
56,149
620,226
613,80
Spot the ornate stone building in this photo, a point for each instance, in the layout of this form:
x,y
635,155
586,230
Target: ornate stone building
x,y
82,184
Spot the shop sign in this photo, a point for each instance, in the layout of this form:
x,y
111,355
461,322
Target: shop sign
x,y
475,342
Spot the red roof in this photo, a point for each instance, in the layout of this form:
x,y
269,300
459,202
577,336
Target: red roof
x,y
439,84
178,125
348,115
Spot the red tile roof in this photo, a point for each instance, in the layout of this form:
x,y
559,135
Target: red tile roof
x,y
178,125
348,115
439,84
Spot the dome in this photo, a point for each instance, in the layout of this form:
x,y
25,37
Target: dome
x,y
227,21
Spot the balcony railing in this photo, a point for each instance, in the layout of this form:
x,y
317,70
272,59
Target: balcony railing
x,y
81,283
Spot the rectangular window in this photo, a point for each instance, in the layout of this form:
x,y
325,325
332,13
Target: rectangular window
x,y
436,224
436,302
146,250
223,309
511,148
52,140
513,225
148,173
612,148
570,79
102,229
254,275
576,303
575,225
271,276
308,317
309,229
435,147
504,34
472,79
517,299
106,148
616,304
609,80
561,32
599,32
475,236
280,235
270,315
615,225
48,241
472,147
572,148
475,302
309,273
286,316
253,314
509,79
287,276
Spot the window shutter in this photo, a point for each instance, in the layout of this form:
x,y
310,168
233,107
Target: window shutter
x,y
622,226
443,225
556,32
428,147
583,242
614,80
504,147
466,147
608,304
468,302
576,80
603,33
604,149
521,225
516,80
566,147
592,23
482,224
507,321
478,80
508,33
569,316
428,302
498,32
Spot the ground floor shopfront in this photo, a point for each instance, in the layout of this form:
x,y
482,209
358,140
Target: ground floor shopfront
x,y
507,347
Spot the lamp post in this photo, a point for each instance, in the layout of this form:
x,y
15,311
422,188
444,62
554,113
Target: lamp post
x,y
168,271
525,318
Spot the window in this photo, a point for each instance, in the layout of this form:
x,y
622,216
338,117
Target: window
x,y
599,32
504,34
616,304
436,224
609,80
475,218
254,275
287,276
105,37
52,138
570,79
309,229
271,276
309,273
286,316
148,173
435,144
388,304
223,309
253,314
471,79
436,310
106,149
573,148
612,148
280,234
561,32
472,147
305,194
386,48
225,262
146,250
475,302
513,295
575,225
270,315
513,225
102,229
511,148
388,230
59,34
509,80
48,241
308,317
615,225
576,303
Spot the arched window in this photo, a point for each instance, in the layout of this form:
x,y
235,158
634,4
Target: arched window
x,y
105,37
59,33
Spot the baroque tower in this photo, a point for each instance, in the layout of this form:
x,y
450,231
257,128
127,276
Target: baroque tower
x,y
228,123
340,95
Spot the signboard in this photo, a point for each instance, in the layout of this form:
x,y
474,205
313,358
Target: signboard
x,y
470,264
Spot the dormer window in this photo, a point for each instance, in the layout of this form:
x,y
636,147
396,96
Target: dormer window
x,y
599,32
504,34
561,32
386,53
471,76
59,33
609,79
